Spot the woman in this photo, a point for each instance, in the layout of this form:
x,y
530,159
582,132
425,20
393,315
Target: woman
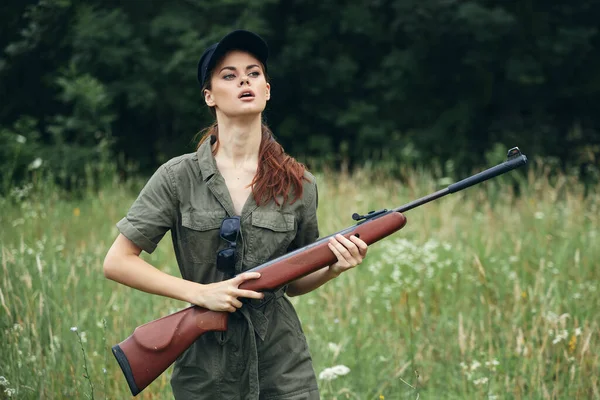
x,y
235,203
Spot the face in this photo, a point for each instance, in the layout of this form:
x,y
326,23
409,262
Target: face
x,y
238,86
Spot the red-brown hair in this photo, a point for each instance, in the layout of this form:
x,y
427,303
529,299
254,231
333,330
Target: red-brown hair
x,y
277,174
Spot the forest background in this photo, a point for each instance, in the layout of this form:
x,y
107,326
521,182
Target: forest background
x,y
411,82
490,293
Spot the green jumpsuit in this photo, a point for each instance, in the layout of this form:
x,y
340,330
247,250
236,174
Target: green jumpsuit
x,y
263,354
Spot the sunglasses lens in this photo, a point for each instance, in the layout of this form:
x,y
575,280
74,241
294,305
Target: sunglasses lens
x,y
226,260
230,229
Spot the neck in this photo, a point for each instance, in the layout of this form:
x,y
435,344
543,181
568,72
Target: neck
x,y
239,140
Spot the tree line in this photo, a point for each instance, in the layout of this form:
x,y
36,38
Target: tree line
x,y
396,82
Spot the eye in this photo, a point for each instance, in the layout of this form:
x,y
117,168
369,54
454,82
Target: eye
x,y
254,74
229,77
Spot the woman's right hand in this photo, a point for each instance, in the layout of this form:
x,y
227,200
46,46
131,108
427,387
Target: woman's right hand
x,y
223,296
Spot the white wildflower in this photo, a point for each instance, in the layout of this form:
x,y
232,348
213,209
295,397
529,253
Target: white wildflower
x,y
4,381
577,331
560,336
83,337
480,381
334,347
539,215
21,139
35,164
493,363
73,329
551,317
375,267
9,392
341,370
476,364
329,374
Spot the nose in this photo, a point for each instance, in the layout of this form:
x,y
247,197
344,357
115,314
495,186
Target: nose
x,y
244,79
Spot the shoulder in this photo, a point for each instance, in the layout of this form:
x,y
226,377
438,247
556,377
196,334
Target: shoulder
x,y
183,165
175,172
309,189
310,178
182,161
309,185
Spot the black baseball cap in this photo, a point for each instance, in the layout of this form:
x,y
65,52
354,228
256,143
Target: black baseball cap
x,y
236,40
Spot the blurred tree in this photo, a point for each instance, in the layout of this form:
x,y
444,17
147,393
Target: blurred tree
x,y
407,81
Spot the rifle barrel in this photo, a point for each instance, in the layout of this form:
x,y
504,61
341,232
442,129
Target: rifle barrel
x,y
513,162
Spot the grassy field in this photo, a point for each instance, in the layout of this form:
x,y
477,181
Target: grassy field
x,y
483,295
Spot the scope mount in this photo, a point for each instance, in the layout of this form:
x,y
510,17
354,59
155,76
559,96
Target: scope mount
x,y
369,215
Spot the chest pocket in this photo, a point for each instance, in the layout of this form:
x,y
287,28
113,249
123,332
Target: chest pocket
x,y
269,235
200,234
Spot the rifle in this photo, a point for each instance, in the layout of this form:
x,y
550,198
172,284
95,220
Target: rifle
x,y
154,346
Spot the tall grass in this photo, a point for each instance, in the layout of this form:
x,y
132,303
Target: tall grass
x,y
484,294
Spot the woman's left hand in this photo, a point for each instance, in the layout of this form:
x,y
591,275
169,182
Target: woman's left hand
x,y
349,253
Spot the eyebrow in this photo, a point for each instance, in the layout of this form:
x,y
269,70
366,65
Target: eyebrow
x,y
234,69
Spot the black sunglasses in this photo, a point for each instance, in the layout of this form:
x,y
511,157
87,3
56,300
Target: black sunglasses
x,y
226,258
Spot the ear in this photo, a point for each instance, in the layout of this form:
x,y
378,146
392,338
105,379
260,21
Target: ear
x,y
208,98
268,91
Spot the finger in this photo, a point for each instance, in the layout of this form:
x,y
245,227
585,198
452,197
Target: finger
x,y
249,294
362,246
337,250
236,303
246,276
349,245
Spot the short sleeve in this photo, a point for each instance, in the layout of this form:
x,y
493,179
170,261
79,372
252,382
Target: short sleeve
x,y
308,225
153,213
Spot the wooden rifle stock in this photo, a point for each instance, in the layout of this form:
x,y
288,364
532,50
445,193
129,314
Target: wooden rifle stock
x,y
154,346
